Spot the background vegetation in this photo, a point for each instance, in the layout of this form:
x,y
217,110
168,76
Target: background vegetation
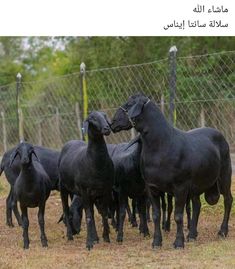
x,y
44,57
50,92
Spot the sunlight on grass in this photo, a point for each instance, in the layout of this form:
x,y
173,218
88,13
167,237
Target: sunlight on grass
x,y
207,252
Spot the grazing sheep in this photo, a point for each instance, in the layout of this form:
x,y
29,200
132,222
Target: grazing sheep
x,y
32,188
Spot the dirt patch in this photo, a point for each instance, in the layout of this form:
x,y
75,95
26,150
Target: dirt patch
x,y
207,252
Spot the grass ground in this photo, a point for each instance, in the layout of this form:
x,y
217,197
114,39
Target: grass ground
x,y
208,251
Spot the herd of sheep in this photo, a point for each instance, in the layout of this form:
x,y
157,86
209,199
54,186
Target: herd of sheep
x,y
160,160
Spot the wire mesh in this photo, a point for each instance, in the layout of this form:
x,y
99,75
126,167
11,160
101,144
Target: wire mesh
x,y
51,109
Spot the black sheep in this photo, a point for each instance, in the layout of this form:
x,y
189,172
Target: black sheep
x,y
49,160
185,164
128,183
87,170
32,188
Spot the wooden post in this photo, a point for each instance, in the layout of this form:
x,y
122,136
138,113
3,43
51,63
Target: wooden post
x,y
4,132
21,124
202,118
19,113
79,123
172,84
84,95
57,123
39,133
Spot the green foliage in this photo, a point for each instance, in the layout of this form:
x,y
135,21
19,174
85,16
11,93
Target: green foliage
x,y
44,57
50,61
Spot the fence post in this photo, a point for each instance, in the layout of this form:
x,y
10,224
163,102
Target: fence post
x,y
21,124
39,133
83,91
79,122
4,132
19,113
172,84
57,122
202,118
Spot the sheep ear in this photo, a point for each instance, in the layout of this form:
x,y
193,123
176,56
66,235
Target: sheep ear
x,y
135,110
12,157
85,127
34,153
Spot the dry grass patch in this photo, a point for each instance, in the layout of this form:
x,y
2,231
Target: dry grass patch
x,y
207,252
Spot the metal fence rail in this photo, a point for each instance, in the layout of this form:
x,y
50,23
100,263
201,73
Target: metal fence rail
x,y
51,111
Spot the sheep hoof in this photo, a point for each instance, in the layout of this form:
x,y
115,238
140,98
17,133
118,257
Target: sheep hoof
x,y
157,243
89,246
190,239
119,239
70,237
106,239
147,234
167,227
222,234
96,241
178,244
10,224
134,224
44,244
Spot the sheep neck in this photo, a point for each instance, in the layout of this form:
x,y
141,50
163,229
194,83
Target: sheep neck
x,y
155,131
28,172
96,146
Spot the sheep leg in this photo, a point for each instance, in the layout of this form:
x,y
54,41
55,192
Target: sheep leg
x,y
105,227
64,198
196,203
80,217
115,221
188,211
17,214
148,204
94,232
41,222
122,213
133,216
163,210
138,205
228,200
89,240
118,215
112,212
225,189
25,225
156,215
128,210
180,200
104,213
141,204
15,210
169,212
9,209
77,220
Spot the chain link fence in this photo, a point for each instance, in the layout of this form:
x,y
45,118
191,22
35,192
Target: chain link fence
x,y
51,111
